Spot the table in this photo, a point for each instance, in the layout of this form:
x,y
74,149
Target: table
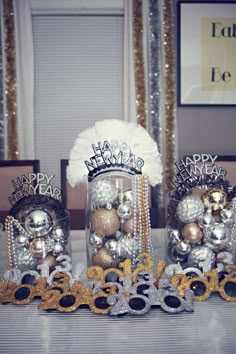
x,y
210,329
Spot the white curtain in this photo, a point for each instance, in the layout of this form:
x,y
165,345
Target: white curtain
x,y
25,78
129,78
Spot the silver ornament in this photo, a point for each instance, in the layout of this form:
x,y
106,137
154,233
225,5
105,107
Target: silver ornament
x,y
174,256
57,248
96,240
201,257
232,204
112,246
182,248
124,247
39,247
103,193
189,209
22,240
228,217
25,259
38,223
125,196
218,236
174,236
224,257
58,234
124,212
206,220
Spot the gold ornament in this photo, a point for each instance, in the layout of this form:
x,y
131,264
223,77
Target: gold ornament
x,y
215,199
128,226
105,221
104,259
192,232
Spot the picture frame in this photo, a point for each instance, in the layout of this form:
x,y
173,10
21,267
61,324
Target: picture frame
x,y
206,53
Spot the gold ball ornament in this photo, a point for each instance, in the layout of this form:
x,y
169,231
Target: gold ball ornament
x,y
128,226
216,199
104,259
105,221
192,232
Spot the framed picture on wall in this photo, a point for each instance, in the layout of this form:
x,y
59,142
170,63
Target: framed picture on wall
x,y
207,53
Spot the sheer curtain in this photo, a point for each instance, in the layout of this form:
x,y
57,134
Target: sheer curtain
x,y
25,78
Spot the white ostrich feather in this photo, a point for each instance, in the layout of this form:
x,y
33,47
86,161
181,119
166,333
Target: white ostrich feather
x,y
136,137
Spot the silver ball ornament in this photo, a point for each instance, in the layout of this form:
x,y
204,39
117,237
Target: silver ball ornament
x,y
103,193
96,240
124,212
112,246
58,234
39,247
189,209
201,255
125,196
38,223
22,241
218,236
182,248
206,220
57,248
228,217
175,256
174,236
224,257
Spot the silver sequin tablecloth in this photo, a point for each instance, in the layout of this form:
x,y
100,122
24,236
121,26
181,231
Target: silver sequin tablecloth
x,y
210,329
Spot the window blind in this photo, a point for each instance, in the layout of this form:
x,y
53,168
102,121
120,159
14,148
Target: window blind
x,y
78,80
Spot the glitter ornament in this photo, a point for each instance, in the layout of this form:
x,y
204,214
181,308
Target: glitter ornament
x,y
124,211
128,226
201,257
192,233
124,247
227,217
38,223
103,193
218,236
105,221
103,258
39,247
189,209
207,220
96,240
25,259
215,199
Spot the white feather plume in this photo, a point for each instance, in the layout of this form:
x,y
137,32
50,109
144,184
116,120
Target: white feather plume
x,y
137,138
